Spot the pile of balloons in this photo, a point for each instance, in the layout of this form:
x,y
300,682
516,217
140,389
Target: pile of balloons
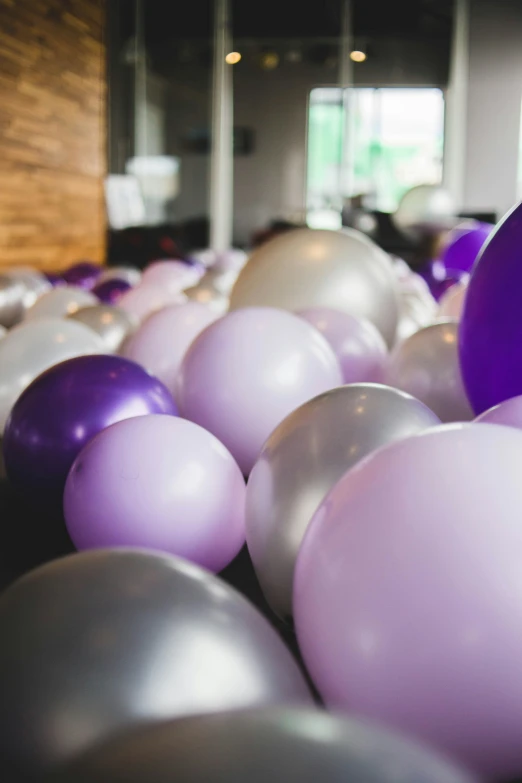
x,y
313,401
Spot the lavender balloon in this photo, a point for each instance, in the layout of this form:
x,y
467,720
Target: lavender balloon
x,y
357,343
84,274
110,291
408,593
65,407
463,246
508,413
490,332
187,495
249,370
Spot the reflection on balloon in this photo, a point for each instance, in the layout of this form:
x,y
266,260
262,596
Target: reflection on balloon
x,y
357,343
162,341
299,746
302,460
112,324
33,347
426,365
247,371
65,407
189,484
60,302
305,268
101,641
399,582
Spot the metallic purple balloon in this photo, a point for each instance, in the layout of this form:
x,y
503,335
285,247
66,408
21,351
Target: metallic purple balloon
x,y
464,245
439,278
84,274
65,407
55,280
110,291
186,496
508,413
490,333
408,593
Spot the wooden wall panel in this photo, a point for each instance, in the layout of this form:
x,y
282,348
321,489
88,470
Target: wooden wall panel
x,y
52,131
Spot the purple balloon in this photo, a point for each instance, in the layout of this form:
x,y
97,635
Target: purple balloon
x,y
84,274
463,246
508,413
439,278
356,342
246,372
408,593
110,291
490,333
186,496
55,280
65,407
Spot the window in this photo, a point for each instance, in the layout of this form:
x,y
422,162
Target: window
x,y
375,143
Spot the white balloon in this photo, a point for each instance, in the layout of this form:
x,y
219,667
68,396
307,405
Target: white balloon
x,y
418,307
425,209
34,282
129,274
452,302
34,346
61,302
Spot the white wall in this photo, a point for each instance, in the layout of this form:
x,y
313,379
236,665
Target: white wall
x,y
494,105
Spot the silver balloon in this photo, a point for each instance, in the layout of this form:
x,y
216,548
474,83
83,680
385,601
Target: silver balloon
x,y
35,284
112,324
259,746
12,294
129,274
34,346
418,308
302,460
427,366
213,290
305,268
425,209
60,302
104,640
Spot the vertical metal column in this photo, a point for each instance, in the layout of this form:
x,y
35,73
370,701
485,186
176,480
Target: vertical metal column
x,y
457,105
222,160
347,101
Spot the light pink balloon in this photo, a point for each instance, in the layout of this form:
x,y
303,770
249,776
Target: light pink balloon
x,y
247,371
145,299
356,342
508,413
174,275
161,342
452,302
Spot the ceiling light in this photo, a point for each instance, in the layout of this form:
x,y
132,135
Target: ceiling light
x,y
357,56
269,60
232,58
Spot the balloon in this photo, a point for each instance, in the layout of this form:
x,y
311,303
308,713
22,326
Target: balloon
x,y
408,593
83,274
440,279
418,308
463,245
35,283
144,300
60,302
491,324
302,460
110,291
357,343
173,275
112,324
187,496
213,290
55,279
101,641
426,365
297,746
305,268
65,407
162,341
12,294
425,209
33,347
452,302
508,413
129,274
247,371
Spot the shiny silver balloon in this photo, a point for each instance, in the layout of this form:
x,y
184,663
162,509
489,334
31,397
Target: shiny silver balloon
x,y
302,460
260,746
425,209
418,308
427,366
34,282
112,324
104,640
129,274
306,267
60,302
213,290
12,294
